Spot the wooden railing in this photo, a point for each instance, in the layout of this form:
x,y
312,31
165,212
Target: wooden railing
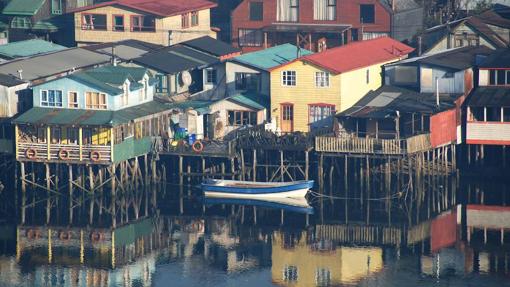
x,y
351,144
63,152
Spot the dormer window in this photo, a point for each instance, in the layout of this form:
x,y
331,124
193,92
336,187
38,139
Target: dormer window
x,y
145,89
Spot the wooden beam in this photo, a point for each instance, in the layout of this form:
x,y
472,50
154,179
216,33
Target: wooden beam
x,y
80,142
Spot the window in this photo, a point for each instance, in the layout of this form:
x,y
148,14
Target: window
x,y
242,118
141,23
56,7
125,95
118,23
322,277
317,112
287,11
185,20
145,90
367,76
21,23
367,13
247,81
55,135
93,22
41,135
321,79
72,136
499,77
290,273
161,84
289,78
72,100
95,100
373,35
194,18
354,34
51,98
324,10
210,76
287,112
250,37
256,11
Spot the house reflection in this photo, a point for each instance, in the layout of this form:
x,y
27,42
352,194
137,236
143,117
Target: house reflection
x,y
300,261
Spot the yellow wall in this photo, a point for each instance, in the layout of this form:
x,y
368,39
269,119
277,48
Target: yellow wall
x,y
302,94
347,265
163,25
344,91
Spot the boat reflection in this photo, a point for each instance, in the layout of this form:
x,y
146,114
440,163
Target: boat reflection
x,y
297,205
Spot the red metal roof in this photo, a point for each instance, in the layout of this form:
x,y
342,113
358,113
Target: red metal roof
x,y
359,54
162,8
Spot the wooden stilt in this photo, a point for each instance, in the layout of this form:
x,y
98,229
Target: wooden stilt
x,y
91,187
254,177
282,167
23,192
70,190
307,165
48,194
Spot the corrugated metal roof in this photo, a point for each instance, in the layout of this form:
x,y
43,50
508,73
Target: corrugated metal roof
x,y
46,65
272,57
80,117
23,7
126,49
376,104
174,59
211,46
490,97
28,48
253,101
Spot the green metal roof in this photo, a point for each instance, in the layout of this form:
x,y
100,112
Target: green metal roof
x,y
23,7
254,101
28,48
271,57
45,25
111,78
199,106
80,117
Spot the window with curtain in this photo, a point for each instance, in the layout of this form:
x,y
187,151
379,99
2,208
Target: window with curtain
x,y
324,10
287,11
250,37
319,112
51,98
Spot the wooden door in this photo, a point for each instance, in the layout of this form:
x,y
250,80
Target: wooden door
x,y
287,116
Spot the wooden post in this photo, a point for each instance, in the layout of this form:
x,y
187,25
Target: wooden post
x,y
203,168
23,192
282,173
91,187
307,165
80,142
181,176
243,168
232,168
48,141
254,165
113,199
222,170
48,194
70,188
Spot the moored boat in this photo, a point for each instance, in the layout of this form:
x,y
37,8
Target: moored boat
x,y
297,205
256,190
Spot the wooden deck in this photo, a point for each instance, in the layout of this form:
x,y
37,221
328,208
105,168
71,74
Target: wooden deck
x,y
50,152
356,145
211,149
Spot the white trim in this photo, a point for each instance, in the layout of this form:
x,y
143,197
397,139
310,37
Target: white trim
x,y
295,79
48,99
77,99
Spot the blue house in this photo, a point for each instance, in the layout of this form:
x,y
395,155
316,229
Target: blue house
x,y
103,115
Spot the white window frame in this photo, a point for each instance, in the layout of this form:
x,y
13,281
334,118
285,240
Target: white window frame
x,y
77,100
48,99
284,75
322,79
213,81
105,101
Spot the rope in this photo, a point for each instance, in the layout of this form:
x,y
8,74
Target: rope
x,y
318,195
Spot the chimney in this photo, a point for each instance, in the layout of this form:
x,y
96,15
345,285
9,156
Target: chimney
x,y
20,74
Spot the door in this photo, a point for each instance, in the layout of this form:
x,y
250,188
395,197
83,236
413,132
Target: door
x,y
287,116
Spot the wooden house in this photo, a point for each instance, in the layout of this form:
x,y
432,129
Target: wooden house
x,y
192,68
101,116
488,29
488,106
41,19
155,21
307,91
418,108
311,24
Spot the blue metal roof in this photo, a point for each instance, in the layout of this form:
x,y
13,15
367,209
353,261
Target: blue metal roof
x,y
271,57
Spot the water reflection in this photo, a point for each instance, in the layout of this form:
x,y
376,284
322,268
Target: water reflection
x,y
431,236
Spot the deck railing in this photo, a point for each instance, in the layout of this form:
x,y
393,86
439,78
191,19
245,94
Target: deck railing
x,y
346,143
63,152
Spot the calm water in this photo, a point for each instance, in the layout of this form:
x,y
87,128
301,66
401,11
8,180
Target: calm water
x,y
447,234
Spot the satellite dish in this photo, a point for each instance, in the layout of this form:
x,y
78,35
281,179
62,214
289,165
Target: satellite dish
x,y
185,78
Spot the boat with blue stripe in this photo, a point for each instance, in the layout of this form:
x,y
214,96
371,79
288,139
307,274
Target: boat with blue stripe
x,y
256,190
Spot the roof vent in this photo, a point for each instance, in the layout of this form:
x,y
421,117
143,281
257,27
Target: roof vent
x,y
20,74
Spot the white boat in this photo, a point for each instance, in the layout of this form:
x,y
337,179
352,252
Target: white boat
x,y
256,190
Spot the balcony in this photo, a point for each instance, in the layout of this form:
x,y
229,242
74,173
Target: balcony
x,y
346,143
491,133
63,153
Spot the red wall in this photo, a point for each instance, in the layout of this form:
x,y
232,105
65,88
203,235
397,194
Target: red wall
x,y
443,127
443,231
347,13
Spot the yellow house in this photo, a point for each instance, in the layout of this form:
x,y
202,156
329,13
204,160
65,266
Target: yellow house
x,y
307,91
159,22
296,263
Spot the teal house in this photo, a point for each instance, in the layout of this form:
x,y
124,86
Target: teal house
x,y
102,115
